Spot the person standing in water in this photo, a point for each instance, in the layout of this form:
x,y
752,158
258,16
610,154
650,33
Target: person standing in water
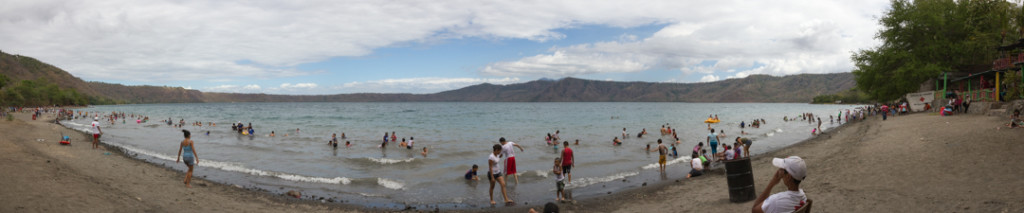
x,y
568,160
712,140
509,152
662,152
187,150
494,173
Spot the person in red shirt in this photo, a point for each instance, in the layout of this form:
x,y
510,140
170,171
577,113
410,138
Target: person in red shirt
x,y
567,162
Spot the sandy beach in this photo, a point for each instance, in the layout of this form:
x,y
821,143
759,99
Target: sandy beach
x,y
916,163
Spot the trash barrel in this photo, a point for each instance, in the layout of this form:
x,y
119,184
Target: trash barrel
x,y
740,179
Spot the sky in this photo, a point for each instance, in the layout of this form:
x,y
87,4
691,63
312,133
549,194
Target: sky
x,y
386,46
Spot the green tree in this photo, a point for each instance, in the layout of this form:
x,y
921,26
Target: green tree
x,y
3,81
922,39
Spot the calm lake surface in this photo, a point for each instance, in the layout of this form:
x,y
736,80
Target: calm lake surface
x,y
457,135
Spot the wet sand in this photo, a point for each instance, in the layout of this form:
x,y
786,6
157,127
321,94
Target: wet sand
x,y
916,163
43,176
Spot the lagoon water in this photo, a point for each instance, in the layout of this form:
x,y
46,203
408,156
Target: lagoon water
x,y
458,135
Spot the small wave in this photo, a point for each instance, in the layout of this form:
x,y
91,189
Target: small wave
x,y
779,130
670,162
769,134
542,173
389,161
582,182
235,167
73,123
370,195
391,184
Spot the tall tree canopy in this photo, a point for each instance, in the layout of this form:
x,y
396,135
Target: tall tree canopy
x,y
922,39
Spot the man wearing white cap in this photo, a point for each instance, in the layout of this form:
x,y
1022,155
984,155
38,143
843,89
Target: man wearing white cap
x,y
96,132
791,172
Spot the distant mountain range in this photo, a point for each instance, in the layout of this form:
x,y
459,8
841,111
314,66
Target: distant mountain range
x,y
755,88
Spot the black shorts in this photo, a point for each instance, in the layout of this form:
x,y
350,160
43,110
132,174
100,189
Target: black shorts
x,y
489,177
695,173
567,169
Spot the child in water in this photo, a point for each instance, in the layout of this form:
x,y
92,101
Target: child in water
x,y
674,153
471,174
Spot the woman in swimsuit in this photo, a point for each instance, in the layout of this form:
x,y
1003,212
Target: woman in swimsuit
x,y
191,158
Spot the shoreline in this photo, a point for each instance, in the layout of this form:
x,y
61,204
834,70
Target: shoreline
x,y
841,162
717,171
863,167
109,180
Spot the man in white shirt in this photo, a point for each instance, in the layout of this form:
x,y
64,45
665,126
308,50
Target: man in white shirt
x,y
791,172
96,132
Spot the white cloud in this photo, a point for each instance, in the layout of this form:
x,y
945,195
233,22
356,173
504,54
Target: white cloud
x,y
776,38
222,41
709,78
251,88
419,85
298,86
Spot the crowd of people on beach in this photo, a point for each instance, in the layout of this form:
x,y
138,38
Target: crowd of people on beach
x,y
502,165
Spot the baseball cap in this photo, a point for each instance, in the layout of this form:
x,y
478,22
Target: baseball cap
x,y
794,165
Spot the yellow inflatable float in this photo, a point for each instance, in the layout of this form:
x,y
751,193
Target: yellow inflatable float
x,y
711,120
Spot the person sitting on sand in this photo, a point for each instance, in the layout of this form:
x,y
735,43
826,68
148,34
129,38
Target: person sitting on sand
x,y
471,174
791,172
704,158
728,154
698,147
696,165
